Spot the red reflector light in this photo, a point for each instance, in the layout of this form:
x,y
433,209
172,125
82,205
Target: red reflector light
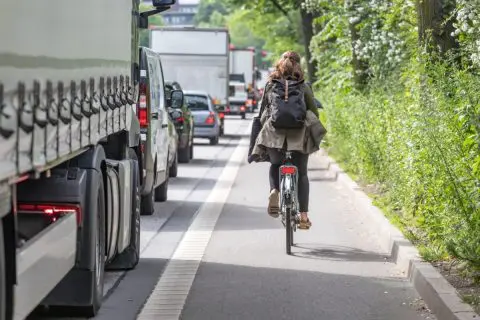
x,y
288,170
210,119
54,211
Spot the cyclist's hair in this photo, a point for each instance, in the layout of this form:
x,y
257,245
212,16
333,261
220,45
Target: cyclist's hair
x,y
288,67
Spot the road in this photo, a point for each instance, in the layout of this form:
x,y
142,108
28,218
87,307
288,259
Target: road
x,y
212,252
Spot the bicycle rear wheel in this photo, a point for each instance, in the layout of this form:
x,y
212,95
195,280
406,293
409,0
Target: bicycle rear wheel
x,y
289,231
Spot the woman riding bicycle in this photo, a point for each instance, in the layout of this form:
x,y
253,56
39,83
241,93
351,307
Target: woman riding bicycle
x,y
302,139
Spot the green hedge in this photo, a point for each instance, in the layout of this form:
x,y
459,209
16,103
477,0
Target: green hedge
x,y
418,139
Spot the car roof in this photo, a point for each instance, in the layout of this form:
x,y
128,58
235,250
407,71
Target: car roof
x,y
195,92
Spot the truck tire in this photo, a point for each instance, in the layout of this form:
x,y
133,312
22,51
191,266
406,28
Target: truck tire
x,y
129,258
184,154
3,277
161,192
97,274
173,172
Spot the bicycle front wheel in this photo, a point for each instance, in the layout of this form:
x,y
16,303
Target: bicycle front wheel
x,y
289,231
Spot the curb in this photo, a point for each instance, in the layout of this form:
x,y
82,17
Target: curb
x,y
440,296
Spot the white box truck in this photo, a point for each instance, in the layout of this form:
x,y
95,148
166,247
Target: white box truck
x,y
197,58
69,136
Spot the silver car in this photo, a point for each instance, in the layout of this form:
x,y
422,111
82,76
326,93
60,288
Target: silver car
x,y
206,121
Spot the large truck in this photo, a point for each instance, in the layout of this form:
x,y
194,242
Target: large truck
x,y
242,62
243,70
69,155
197,58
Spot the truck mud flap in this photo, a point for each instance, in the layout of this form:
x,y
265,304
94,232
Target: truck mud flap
x,y
43,262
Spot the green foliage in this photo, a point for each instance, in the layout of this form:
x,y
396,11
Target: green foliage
x,y
211,12
414,128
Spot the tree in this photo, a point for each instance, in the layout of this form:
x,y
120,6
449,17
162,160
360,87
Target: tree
x,y
209,12
433,29
289,10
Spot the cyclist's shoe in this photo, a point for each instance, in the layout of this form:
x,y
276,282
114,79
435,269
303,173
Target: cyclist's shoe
x,y
273,207
304,223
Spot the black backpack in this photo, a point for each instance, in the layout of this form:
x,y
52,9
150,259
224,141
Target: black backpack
x,y
287,105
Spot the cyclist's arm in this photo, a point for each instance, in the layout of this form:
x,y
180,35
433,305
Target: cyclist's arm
x,y
264,99
309,100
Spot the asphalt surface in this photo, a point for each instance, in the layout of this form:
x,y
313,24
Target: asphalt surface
x,y
337,271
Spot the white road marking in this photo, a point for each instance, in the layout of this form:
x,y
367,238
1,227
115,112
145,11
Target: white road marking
x,y
170,293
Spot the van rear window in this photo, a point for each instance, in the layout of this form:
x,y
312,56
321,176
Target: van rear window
x,y
197,102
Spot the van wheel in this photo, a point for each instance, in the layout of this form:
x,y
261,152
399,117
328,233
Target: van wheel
x,y
3,277
148,204
129,258
97,274
191,149
173,172
161,193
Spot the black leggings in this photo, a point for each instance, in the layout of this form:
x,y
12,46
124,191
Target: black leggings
x,y
300,160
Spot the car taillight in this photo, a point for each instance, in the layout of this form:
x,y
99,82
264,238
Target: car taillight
x,y
288,170
221,115
210,119
180,120
142,106
52,211
242,108
254,101
227,109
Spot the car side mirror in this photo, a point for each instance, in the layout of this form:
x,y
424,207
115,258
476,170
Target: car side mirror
x,y
176,98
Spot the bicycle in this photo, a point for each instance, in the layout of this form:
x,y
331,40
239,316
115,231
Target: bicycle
x,y
289,198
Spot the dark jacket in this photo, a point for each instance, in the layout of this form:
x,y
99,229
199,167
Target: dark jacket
x,y
306,139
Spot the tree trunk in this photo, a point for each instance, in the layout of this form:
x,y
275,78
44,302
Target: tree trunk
x,y
433,30
359,66
307,31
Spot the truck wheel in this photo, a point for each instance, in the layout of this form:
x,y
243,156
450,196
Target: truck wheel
x,y
3,277
129,258
97,273
161,193
184,154
173,172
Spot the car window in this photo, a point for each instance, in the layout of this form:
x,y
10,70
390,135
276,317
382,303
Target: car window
x,y
161,84
197,102
154,83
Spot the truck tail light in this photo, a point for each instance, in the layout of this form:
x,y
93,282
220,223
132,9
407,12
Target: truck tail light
x,y
52,211
210,119
142,106
242,108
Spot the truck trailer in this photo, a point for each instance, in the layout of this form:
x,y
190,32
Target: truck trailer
x,y
69,156
197,58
